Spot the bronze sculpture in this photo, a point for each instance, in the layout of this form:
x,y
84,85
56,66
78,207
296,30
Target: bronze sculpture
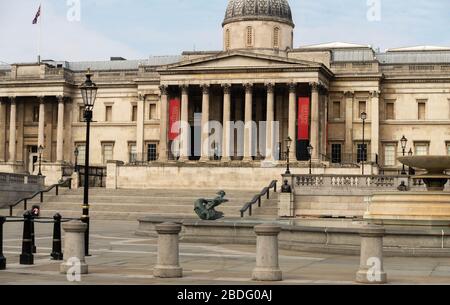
x,y
205,209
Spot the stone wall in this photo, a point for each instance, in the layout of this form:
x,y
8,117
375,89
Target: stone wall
x,y
16,187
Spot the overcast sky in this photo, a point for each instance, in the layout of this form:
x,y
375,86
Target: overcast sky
x,y
136,29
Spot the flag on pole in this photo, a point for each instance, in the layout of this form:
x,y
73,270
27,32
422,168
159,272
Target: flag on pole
x,y
35,20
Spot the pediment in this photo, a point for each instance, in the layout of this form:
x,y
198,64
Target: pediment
x,y
240,60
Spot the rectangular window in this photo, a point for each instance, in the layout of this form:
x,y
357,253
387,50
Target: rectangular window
x,y
421,149
362,108
336,153
422,111
108,114
107,152
81,154
81,114
133,153
390,114
134,114
336,110
361,153
390,155
152,154
153,115
35,114
448,149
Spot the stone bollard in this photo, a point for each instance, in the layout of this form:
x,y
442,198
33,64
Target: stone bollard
x,y
74,247
2,257
267,267
371,269
168,265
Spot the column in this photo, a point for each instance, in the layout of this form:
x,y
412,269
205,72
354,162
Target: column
x,y
140,127
205,124
248,134
315,121
2,130
12,131
325,124
293,120
270,149
226,145
375,137
348,148
163,125
60,131
184,137
41,128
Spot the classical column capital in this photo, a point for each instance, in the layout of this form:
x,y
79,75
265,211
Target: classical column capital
x,y
205,89
248,87
184,89
270,87
349,94
226,88
292,87
12,99
41,99
375,94
142,97
60,98
163,89
314,86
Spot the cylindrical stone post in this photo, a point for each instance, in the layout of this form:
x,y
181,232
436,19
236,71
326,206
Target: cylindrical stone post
x,y
168,265
267,267
371,268
2,257
74,247
57,254
27,258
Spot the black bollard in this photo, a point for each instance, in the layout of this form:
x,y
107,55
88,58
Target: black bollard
x,y
33,241
26,258
2,258
57,254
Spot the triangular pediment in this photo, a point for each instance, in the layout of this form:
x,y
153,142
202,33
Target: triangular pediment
x,y
239,60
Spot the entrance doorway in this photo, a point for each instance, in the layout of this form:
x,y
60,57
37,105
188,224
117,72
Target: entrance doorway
x,y
32,159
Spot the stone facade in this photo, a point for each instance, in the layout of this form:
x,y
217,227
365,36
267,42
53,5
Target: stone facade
x,y
403,91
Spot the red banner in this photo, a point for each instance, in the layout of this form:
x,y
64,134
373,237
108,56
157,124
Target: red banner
x,y
174,117
303,118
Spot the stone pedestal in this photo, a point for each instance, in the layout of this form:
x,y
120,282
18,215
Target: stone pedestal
x,y
371,268
267,267
168,265
75,181
112,170
286,205
74,247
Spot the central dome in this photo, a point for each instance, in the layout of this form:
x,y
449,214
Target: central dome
x,y
241,10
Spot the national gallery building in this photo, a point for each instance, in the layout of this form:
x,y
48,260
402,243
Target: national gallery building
x,y
351,104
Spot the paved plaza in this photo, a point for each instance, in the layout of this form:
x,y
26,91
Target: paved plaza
x,y
121,257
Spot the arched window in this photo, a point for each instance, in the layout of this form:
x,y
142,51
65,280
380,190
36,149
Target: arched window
x,y
227,39
249,36
276,37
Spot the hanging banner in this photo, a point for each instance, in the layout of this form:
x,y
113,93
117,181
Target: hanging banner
x,y
303,118
174,117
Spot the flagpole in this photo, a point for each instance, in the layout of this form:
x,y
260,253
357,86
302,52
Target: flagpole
x,y
40,34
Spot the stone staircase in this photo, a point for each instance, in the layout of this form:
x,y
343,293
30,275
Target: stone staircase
x,y
132,204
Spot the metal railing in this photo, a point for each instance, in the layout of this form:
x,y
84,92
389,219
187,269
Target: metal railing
x,y
66,183
258,198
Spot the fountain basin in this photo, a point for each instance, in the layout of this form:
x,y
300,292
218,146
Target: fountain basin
x,y
435,179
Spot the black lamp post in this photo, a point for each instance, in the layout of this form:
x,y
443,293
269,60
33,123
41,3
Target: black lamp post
x,y
410,169
89,93
310,152
404,142
364,153
288,150
40,152
76,152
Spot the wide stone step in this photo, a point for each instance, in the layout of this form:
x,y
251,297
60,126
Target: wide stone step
x,y
328,213
159,192
137,199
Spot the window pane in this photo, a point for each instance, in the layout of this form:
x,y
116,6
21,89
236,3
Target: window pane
x,y
81,112
448,150
108,154
421,150
151,152
389,155
81,154
362,153
133,153
336,153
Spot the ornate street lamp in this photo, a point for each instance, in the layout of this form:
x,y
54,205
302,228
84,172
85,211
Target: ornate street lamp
x,y
89,93
364,153
404,142
288,149
40,152
310,152
76,152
